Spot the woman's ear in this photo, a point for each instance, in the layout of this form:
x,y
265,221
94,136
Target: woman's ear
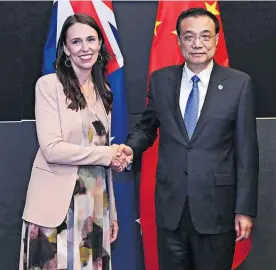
x,y
66,50
100,44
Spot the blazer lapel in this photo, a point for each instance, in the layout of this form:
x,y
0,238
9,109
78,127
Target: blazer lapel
x,y
217,76
100,112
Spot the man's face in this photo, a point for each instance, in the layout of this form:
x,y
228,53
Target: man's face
x,y
198,40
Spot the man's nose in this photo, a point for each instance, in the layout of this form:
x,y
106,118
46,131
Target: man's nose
x,y
197,43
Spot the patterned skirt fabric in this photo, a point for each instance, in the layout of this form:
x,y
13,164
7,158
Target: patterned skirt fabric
x,y
82,241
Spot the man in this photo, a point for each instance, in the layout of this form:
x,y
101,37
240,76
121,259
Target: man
x,y
206,178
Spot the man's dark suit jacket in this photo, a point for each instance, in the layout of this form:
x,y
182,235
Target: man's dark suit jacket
x,y
218,168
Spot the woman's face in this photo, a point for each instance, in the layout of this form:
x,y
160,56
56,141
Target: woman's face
x,y
82,46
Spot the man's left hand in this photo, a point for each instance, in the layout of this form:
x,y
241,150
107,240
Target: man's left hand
x,y
243,226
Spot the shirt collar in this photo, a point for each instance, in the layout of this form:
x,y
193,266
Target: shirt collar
x,y
204,75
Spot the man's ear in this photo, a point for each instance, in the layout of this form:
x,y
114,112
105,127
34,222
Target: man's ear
x,y
178,41
217,39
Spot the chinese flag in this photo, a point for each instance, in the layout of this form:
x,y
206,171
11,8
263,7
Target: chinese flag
x,y
165,52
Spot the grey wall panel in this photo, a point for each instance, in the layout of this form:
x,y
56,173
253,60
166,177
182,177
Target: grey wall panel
x,y
18,145
136,20
262,255
23,29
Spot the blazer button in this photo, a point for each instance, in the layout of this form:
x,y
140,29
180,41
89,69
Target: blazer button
x,y
190,148
186,172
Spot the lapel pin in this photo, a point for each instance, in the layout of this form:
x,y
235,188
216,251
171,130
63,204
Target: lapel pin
x,y
220,87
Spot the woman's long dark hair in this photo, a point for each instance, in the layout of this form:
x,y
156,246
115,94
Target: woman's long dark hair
x,y
67,75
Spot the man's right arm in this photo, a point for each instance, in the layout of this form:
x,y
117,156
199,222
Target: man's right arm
x,y
145,131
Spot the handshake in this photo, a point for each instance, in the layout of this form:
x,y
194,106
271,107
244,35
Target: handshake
x,y
122,158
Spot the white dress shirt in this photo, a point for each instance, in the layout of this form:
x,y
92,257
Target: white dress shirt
x,y
187,85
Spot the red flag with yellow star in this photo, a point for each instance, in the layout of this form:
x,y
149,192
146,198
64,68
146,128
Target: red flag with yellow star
x,y
165,52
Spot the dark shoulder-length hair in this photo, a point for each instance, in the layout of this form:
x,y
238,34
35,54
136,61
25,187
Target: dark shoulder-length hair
x,y
67,76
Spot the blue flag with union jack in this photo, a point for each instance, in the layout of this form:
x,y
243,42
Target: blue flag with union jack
x,y
127,250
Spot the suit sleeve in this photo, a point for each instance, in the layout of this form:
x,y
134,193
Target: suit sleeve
x,y
49,133
247,153
145,131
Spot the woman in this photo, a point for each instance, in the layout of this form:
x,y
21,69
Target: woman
x,y
70,215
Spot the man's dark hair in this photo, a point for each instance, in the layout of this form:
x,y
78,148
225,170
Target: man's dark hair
x,y
196,12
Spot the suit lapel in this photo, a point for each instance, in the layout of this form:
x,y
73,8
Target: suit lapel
x,y
217,76
175,82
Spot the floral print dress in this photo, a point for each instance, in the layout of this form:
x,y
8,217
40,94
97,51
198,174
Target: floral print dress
x,y
82,241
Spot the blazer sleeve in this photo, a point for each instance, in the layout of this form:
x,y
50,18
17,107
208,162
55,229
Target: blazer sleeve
x,y
111,194
145,131
53,147
247,153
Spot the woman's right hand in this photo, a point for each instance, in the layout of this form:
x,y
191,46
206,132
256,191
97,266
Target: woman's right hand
x,y
119,160
115,163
